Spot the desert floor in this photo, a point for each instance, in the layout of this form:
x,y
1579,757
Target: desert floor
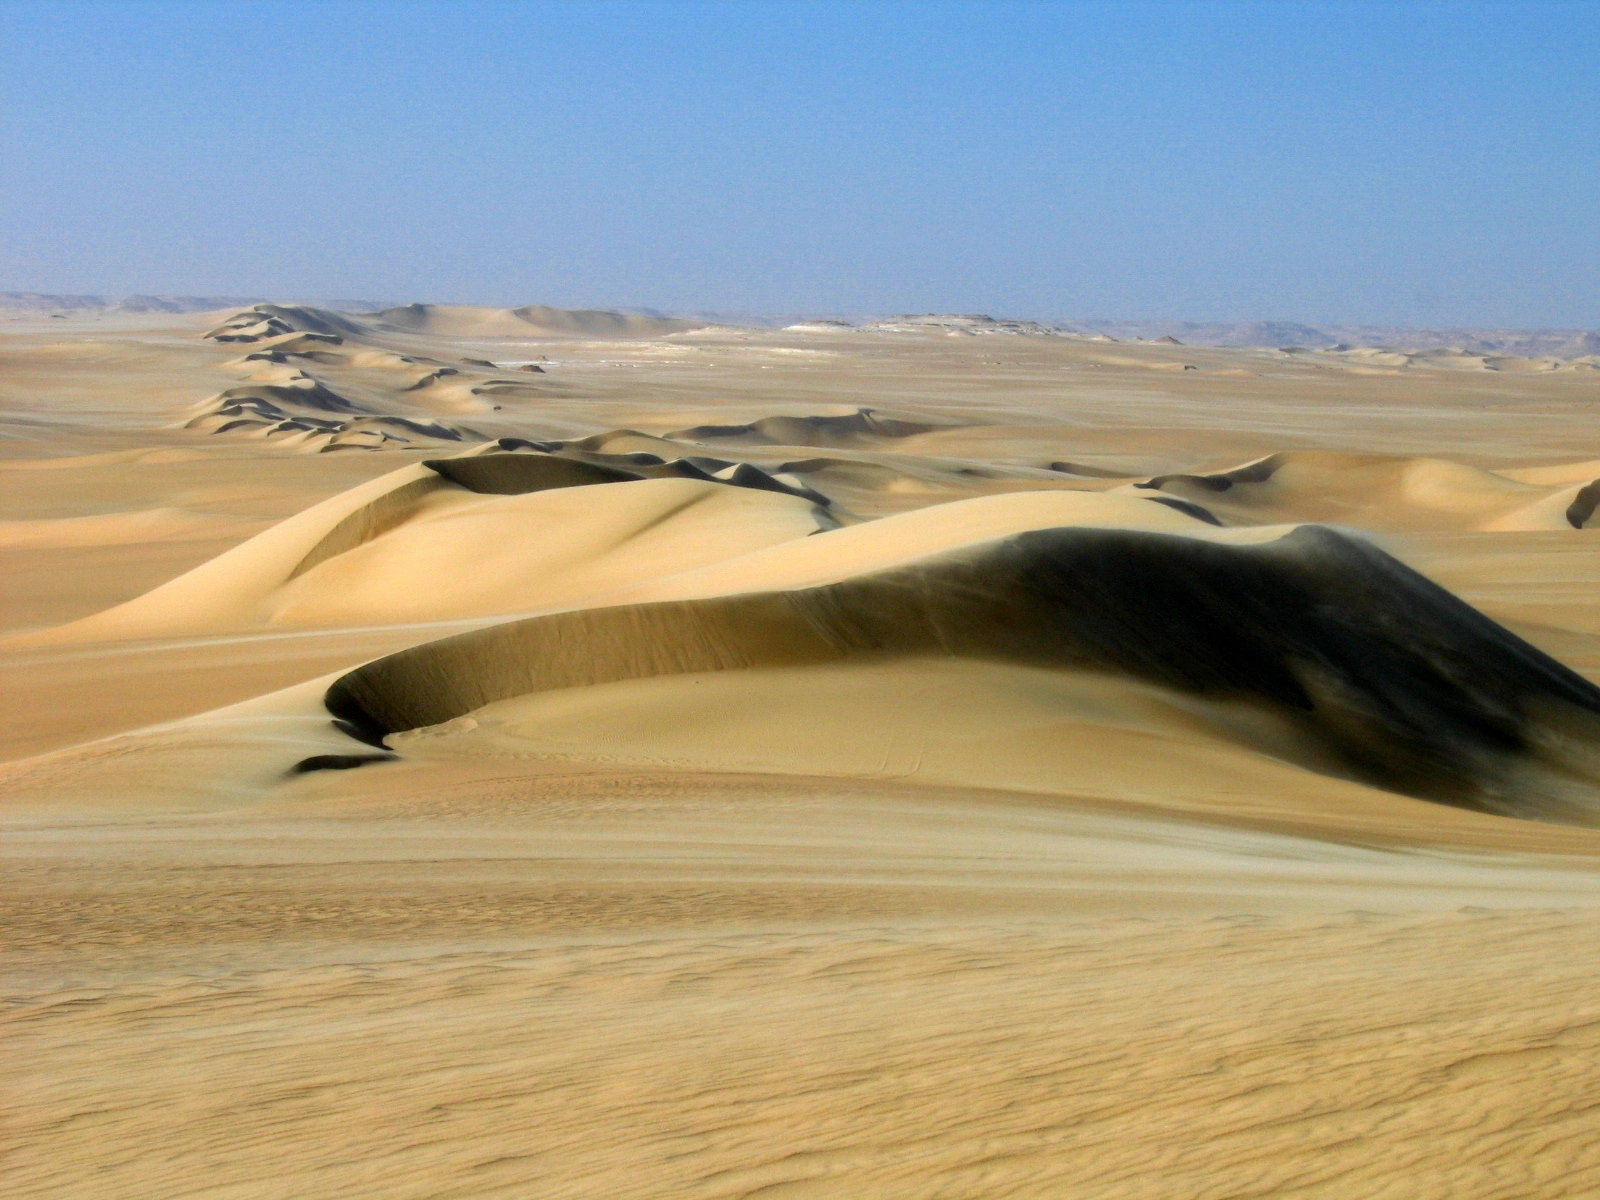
x,y
738,916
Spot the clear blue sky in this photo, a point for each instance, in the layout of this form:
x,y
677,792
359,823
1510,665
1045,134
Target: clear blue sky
x,y
1384,162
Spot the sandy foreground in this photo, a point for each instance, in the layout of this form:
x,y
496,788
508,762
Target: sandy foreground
x,y
906,762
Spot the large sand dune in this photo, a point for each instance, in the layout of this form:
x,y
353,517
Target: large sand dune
x,y
525,752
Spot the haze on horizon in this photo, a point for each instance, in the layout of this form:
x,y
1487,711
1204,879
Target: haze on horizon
x,y
1382,164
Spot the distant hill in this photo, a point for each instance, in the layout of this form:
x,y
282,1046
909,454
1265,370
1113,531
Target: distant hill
x,y
1527,343
46,302
531,320
537,320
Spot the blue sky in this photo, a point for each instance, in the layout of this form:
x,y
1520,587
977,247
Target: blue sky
x,y
1385,163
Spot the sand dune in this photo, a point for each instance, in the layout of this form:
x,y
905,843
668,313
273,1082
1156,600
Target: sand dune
x,y
287,414
1383,492
939,757
265,322
1456,359
430,542
552,463
846,429
403,548
1444,710
1559,473
286,402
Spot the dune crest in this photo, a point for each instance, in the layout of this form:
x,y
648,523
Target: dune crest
x,y
464,538
265,322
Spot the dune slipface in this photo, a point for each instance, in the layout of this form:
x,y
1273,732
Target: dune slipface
x,y
515,474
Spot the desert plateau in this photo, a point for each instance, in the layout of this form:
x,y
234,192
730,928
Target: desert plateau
x,y
475,752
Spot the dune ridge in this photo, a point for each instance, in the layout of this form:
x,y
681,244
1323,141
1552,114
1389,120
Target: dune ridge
x,y
1384,491
864,426
267,321
554,464
285,401
428,542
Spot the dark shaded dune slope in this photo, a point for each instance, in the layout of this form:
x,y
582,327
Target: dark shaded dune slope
x,y
527,466
1583,505
1255,472
1407,686
517,474
274,320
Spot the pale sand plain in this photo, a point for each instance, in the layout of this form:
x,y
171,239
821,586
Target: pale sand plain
x,y
1009,791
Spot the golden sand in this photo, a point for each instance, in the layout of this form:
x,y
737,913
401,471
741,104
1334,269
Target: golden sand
x,y
738,826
